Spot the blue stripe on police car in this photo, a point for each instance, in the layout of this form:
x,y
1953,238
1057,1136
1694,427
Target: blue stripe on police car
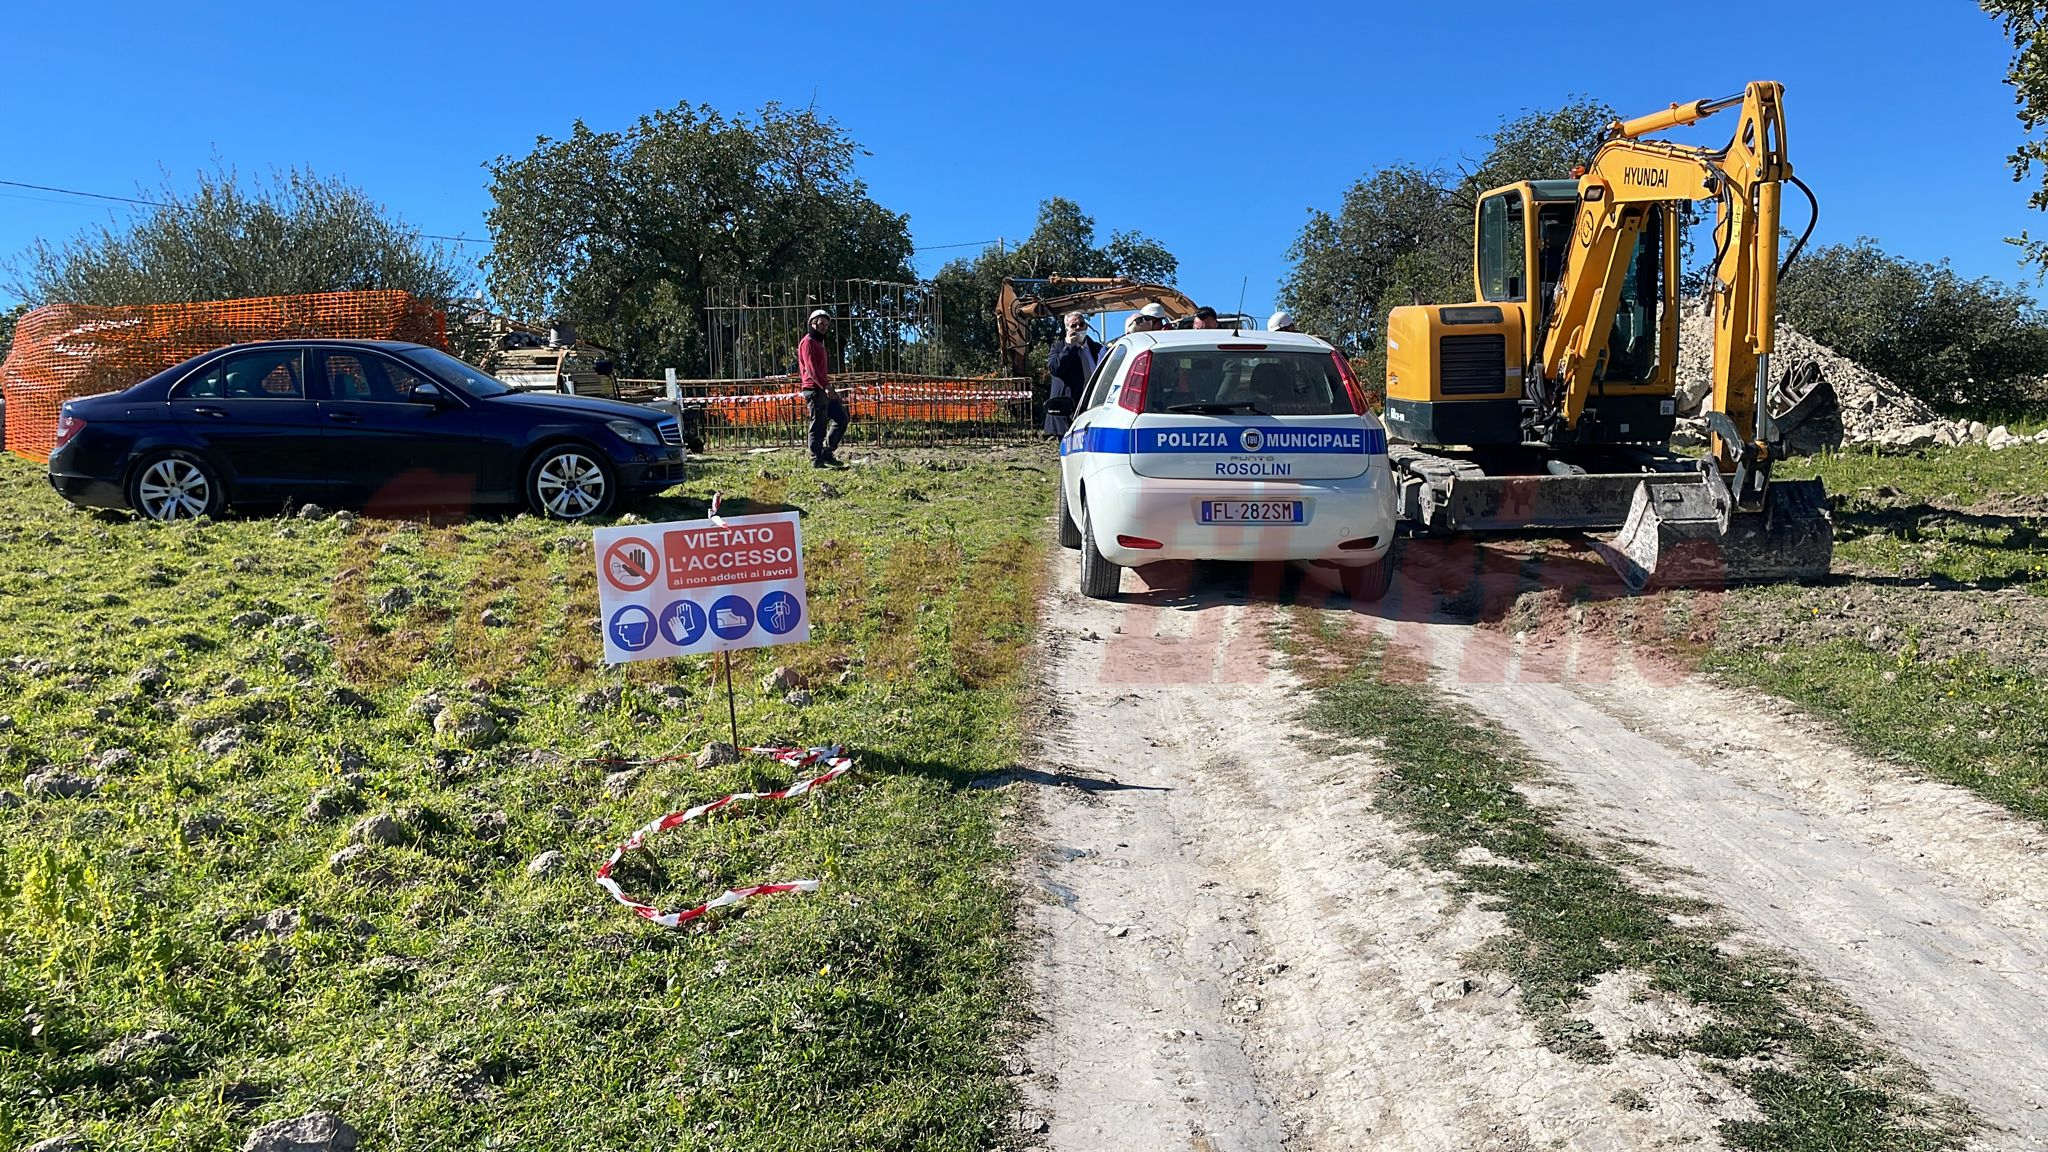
x,y
1199,439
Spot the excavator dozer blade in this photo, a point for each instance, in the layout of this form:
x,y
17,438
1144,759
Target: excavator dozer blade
x,y
1689,534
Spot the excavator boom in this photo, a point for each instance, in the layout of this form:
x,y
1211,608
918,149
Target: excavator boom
x,y
1014,311
1731,523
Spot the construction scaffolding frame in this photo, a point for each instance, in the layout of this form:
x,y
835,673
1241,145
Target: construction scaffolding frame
x,y
877,326
884,354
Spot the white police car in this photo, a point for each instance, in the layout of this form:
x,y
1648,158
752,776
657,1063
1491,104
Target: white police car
x,y
1214,445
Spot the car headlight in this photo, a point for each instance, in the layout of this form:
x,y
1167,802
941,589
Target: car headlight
x,y
633,432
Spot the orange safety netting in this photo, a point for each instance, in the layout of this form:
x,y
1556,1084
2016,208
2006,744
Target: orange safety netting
x,y
879,397
64,351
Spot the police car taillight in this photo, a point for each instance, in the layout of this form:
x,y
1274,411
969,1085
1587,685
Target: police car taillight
x,y
1132,398
67,427
1350,379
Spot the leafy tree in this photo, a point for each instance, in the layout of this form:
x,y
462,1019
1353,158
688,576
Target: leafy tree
x,y
1962,345
1404,233
622,232
222,241
7,321
1399,238
2026,25
1063,242
1539,146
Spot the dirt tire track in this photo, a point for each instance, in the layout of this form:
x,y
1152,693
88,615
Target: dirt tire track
x,y
1922,904
1238,952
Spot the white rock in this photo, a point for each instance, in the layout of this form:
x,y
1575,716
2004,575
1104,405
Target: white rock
x,y
314,1132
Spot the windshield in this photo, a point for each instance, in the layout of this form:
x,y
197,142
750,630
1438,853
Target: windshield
x,y
1215,381
472,380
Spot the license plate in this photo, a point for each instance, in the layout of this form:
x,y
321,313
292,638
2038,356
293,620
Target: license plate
x,y
1251,512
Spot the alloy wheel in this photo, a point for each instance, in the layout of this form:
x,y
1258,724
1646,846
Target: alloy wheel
x,y
174,489
570,485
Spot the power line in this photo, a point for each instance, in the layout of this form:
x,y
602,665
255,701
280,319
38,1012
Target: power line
x,y
75,192
160,204
967,244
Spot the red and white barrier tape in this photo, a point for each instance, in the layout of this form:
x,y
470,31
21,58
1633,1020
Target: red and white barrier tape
x,y
837,764
863,394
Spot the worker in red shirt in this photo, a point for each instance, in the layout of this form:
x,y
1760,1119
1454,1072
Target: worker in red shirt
x,y
825,405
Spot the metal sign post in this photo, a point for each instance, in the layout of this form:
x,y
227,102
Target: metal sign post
x,y
732,711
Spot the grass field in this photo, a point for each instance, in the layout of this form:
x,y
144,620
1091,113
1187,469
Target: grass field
x,y
1930,646
246,692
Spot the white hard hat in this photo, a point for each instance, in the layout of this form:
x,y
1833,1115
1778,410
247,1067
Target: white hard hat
x,y
1130,323
1155,310
1281,321
818,313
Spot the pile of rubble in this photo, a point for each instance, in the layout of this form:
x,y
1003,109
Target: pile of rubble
x,y
1873,410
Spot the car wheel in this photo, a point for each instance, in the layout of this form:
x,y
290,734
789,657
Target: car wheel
x,y
1069,532
176,486
1099,578
570,482
1369,584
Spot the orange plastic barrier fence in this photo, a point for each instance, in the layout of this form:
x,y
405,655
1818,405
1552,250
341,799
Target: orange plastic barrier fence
x,y
64,351
871,396
890,400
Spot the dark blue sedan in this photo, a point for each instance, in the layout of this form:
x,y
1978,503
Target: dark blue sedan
x,y
371,423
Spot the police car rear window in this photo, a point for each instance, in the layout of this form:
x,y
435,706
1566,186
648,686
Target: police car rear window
x,y
1210,380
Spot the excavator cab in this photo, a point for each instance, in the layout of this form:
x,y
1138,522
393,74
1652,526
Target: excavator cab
x,y
1471,374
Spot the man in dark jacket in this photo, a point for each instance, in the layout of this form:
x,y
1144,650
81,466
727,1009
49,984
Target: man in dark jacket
x,y
1071,363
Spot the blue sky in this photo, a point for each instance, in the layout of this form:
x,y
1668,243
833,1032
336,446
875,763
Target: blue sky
x,y
1212,128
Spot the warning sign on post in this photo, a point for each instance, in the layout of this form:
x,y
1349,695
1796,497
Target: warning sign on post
x,y
701,586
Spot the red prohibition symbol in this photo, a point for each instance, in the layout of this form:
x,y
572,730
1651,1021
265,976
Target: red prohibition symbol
x,y
631,564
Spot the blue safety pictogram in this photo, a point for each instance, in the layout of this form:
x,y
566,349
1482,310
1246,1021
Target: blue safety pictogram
x,y
732,617
780,612
632,628
683,623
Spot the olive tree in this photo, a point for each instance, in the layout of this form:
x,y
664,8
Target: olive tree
x,y
227,239
622,232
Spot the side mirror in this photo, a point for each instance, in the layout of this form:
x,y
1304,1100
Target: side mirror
x,y
424,393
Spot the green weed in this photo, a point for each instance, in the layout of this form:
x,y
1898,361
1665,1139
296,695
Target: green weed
x,y
247,690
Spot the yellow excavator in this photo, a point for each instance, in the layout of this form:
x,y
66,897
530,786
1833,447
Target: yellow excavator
x,y
1549,402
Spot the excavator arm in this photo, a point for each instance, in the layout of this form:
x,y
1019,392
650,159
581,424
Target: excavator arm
x,y
1733,523
1014,312
1628,176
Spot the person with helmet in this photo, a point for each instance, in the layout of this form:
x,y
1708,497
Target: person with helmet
x,y
827,409
1151,318
1282,321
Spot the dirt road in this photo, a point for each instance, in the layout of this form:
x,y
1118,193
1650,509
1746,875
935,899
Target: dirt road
x,y
1238,952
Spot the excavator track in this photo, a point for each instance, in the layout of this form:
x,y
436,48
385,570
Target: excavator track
x,y
1679,528
1442,493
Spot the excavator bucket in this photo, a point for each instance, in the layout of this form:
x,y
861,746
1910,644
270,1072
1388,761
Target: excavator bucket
x,y
1690,534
